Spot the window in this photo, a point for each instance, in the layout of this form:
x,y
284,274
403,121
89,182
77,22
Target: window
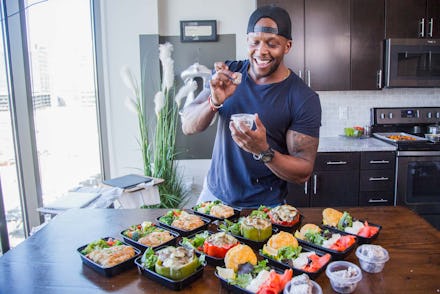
x,y
51,145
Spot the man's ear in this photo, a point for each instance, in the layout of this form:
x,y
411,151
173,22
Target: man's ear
x,y
288,46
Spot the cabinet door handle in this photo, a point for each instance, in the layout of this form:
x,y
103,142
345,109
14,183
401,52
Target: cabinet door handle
x,y
431,27
308,78
300,74
379,79
305,187
379,161
378,179
377,200
315,184
422,27
336,162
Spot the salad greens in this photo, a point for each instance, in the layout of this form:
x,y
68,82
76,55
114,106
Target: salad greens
x,y
228,226
169,217
135,232
261,212
288,252
206,207
197,241
317,238
99,244
345,221
243,280
149,258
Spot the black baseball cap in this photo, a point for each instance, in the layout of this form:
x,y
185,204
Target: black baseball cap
x,y
278,15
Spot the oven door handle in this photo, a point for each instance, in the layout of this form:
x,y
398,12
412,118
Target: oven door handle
x,y
379,179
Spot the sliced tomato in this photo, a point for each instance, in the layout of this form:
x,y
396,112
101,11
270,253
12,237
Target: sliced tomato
x,y
343,243
368,231
317,262
276,282
216,251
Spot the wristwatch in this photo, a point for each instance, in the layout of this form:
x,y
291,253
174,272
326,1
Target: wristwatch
x,y
265,156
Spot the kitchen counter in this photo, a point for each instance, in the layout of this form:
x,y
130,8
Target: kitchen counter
x,y
47,262
344,144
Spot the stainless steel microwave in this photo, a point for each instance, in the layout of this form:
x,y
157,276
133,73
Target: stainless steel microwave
x,y
412,63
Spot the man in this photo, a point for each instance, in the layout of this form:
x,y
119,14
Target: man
x,y
251,166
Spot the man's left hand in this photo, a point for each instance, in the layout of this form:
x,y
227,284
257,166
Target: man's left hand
x,y
251,141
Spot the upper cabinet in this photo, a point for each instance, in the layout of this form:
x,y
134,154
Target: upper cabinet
x,y
337,44
327,44
367,34
413,19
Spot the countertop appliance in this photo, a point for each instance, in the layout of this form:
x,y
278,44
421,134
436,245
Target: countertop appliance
x,y
418,159
412,62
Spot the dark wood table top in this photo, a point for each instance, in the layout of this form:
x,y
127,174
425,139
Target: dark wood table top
x,y
48,262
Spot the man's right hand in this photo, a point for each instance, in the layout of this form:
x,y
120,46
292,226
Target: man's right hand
x,y
222,83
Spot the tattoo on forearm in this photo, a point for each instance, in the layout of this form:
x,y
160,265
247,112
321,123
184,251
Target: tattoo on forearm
x,y
302,146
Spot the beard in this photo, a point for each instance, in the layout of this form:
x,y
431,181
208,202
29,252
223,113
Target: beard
x,y
258,74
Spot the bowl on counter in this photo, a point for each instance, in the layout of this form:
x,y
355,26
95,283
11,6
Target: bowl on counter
x,y
344,276
372,258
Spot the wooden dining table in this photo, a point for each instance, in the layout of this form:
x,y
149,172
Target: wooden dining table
x,y
48,261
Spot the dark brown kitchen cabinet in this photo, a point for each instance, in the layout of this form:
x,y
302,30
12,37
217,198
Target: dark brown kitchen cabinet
x,y
377,173
337,44
367,34
412,18
320,53
327,44
334,182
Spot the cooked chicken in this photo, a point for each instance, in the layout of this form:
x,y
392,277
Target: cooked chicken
x,y
156,238
222,211
187,221
108,257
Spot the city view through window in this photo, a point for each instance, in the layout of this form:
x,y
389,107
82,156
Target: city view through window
x,y
63,95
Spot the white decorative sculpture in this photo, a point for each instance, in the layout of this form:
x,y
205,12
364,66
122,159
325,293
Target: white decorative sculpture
x,y
192,72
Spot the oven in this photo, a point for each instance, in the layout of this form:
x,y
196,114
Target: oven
x,y
417,184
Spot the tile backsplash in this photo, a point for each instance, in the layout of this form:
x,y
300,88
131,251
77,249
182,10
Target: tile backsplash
x,y
349,108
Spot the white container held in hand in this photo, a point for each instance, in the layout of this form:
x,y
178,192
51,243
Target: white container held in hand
x,y
246,119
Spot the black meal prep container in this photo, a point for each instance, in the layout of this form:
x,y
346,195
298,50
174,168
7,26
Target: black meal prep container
x,y
312,275
167,282
336,255
185,233
143,247
109,271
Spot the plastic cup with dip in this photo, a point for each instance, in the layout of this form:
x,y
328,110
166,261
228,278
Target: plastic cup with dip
x,y
372,258
344,276
246,119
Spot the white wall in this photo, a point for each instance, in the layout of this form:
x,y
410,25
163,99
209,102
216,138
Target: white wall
x,y
124,21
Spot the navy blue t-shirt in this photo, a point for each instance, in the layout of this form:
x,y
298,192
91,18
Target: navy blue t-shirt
x,y
235,177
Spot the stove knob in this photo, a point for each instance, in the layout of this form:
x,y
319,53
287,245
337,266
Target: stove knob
x,y
390,115
429,114
382,115
437,115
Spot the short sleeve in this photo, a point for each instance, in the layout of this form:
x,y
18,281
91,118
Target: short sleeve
x,y
307,117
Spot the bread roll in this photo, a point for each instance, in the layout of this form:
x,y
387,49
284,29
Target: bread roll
x,y
238,255
331,217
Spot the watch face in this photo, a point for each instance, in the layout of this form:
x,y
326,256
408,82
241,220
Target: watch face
x,y
267,156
